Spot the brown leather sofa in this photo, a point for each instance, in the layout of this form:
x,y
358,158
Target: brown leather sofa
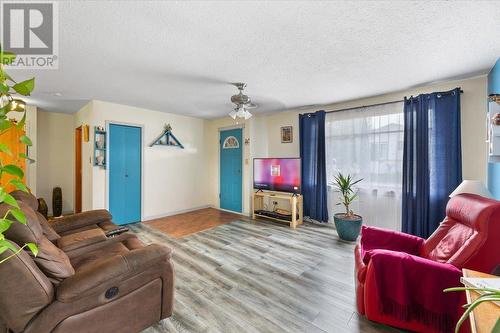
x,y
115,285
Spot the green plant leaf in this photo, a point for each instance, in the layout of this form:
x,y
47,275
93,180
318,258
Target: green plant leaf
x,y
5,124
24,139
14,170
4,88
472,306
9,200
19,215
4,225
7,244
20,124
33,248
25,87
7,58
19,185
4,148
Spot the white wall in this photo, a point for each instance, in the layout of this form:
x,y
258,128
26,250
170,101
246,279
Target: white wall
x,y
55,160
174,179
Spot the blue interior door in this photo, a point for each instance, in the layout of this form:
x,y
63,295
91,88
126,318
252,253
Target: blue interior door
x,y
231,169
124,163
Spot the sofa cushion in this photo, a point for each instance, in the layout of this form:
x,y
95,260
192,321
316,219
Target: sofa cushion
x,y
27,198
108,250
50,233
20,233
80,239
53,261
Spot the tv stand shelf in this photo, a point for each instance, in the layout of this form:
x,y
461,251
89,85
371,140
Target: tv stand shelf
x,y
295,200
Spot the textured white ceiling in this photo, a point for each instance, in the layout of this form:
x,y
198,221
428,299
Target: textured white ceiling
x,y
179,56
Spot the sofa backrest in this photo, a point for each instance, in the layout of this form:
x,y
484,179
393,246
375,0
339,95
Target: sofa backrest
x,y
24,290
51,260
469,236
32,202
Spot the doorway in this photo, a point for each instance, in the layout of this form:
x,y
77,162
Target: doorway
x,y
78,169
125,173
231,154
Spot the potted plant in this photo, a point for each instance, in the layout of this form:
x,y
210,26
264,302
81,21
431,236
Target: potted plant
x,y
348,224
486,295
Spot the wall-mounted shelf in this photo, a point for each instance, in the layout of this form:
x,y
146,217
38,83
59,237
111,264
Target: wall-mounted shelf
x,y
99,147
167,138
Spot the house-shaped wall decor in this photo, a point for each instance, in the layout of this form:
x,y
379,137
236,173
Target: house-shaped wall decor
x,y
167,138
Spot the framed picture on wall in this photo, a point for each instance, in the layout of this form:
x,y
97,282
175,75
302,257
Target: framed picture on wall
x,y
286,134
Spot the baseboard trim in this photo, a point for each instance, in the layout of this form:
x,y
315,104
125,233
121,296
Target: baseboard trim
x,y
230,211
154,217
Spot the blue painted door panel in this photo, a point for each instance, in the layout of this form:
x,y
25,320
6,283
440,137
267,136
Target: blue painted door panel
x,y
125,173
231,170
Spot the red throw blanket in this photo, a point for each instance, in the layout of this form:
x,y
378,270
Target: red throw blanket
x,y
411,288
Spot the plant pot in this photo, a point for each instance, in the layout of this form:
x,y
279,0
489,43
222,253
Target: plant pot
x,y
348,228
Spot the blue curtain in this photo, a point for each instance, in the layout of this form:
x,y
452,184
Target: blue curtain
x,y
432,159
313,165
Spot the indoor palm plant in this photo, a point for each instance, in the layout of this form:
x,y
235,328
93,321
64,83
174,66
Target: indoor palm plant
x,y
9,89
348,224
486,295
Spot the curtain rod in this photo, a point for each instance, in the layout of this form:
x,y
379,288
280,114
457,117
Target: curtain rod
x,y
365,106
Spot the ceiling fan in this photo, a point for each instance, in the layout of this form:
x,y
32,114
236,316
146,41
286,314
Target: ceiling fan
x,y
243,103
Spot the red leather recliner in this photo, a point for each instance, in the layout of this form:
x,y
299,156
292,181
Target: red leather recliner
x,y
399,277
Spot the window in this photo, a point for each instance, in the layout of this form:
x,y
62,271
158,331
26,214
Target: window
x,y
368,143
230,142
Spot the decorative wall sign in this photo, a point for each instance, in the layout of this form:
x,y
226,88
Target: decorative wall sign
x,y
167,138
286,134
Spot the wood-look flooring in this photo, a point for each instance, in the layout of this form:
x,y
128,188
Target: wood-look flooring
x,y
261,277
189,223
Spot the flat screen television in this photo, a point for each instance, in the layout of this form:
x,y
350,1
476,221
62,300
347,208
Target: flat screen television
x,y
277,174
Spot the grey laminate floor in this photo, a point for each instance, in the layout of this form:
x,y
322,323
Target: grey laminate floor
x,y
261,277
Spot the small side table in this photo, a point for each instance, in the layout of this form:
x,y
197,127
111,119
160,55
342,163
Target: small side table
x,y
484,317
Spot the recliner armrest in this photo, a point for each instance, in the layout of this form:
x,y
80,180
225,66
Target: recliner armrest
x,y
378,238
75,221
99,277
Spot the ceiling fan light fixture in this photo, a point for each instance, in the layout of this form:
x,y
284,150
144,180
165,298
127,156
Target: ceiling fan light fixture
x,y
242,101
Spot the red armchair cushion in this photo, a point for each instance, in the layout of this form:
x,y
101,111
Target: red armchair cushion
x,y
458,234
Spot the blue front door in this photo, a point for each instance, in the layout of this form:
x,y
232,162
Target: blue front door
x,y
231,169
124,162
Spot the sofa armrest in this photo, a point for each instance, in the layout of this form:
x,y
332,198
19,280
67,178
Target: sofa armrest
x,y
97,278
79,220
378,238
400,285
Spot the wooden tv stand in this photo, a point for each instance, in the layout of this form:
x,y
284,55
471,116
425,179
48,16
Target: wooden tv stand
x,y
296,204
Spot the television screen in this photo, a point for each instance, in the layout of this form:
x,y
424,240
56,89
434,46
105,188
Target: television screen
x,y
277,174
